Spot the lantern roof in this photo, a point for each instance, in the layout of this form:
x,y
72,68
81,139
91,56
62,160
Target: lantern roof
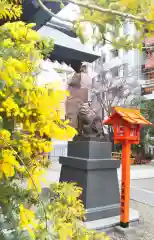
x,y
130,115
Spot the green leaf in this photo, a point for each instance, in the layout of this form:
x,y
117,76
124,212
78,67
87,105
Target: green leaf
x,y
62,5
1,122
8,123
18,99
1,84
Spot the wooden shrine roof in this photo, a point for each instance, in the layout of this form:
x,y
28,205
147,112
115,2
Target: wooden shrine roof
x,y
130,115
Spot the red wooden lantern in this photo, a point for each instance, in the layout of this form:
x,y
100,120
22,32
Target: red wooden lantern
x,y
126,124
124,130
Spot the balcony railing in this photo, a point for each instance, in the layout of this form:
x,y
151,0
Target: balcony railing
x,y
148,83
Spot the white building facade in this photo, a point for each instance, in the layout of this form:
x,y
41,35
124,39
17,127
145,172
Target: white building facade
x,y
120,67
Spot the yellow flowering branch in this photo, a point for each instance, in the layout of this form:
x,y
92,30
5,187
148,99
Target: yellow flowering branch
x,y
31,177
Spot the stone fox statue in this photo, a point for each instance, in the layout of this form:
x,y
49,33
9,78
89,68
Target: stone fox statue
x,y
81,115
89,123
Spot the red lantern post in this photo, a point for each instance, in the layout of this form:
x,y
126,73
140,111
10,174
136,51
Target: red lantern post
x,y
126,123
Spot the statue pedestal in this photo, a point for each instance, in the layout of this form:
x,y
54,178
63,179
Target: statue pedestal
x,y
89,164
89,139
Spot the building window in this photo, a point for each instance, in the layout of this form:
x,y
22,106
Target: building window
x,y
127,28
103,58
115,53
115,72
125,69
98,61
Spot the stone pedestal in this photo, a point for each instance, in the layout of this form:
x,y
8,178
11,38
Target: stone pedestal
x,y
90,165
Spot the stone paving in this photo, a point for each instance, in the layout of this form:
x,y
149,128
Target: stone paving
x,y
144,171
146,184
143,191
145,230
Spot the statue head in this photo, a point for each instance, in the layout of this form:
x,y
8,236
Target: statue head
x,y
75,81
89,123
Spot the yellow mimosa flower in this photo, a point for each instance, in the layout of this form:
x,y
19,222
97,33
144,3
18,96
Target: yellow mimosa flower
x,y
28,221
8,164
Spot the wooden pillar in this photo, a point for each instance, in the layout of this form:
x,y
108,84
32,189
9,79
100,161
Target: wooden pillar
x,y
125,185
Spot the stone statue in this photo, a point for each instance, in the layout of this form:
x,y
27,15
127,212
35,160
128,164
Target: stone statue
x,y
78,96
89,123
81,115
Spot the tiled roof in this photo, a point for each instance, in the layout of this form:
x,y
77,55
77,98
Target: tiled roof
x,y
73,47
128,114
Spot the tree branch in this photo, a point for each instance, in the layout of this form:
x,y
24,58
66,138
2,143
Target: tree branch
x,y
96,8
110,11
47,10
